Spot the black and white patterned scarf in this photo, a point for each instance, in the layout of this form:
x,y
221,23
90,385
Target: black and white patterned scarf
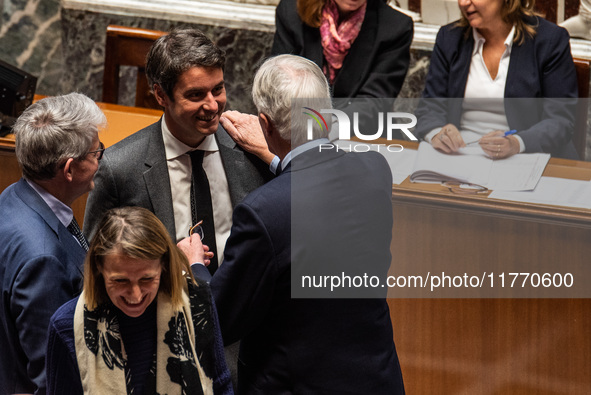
x,y
185,355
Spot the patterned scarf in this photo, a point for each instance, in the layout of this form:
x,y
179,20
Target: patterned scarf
x,y
338,36
184,362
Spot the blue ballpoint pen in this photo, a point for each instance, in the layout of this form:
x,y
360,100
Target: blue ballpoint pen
x,y
509,132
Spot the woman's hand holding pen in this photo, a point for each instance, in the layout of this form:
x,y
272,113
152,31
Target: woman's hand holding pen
x,y
448,140
499,144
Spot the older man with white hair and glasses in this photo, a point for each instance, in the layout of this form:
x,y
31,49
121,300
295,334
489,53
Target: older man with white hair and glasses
x,y
41,246
327,211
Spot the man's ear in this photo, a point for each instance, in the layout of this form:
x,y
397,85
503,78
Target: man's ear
x,y
68,171
160,95
266,125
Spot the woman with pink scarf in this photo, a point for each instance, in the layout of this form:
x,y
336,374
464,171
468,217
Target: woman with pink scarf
x,y
361,45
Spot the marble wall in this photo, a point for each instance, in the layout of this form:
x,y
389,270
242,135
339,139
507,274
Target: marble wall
x,y
64,47
84,33
30,38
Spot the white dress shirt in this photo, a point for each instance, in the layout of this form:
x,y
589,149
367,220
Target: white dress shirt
x,y
180,172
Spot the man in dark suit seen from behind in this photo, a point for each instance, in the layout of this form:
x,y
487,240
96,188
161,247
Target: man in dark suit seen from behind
x,y
42,248
290,224
184,168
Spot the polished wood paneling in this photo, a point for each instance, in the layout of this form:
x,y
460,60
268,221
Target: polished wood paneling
x,y
493,346
490,345
571,8
11,171
548,9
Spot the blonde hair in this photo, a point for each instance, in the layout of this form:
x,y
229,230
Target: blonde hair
x,y
310,11
137,233
513,13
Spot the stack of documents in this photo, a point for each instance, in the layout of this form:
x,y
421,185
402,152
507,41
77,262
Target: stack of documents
x,y
517,173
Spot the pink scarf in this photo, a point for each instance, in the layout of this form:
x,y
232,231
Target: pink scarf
x,y
337,36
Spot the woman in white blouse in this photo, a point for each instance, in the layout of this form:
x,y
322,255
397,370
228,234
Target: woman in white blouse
x,y
500,50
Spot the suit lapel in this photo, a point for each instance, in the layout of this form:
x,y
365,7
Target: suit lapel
x,y
235,166
75,253
462,68
37,204
457,86
156,178
357,60
516,67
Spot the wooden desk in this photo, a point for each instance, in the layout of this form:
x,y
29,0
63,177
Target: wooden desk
x,y
122,121
491,346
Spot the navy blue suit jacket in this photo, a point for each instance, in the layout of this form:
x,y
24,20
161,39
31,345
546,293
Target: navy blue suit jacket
x,y
40,269
309,345
541,67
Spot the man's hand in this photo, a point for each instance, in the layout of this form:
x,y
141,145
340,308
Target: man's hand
x,y
194,250
246,131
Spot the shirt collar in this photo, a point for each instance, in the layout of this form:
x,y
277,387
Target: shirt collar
x,y
301,149
175,148
59,208
479,41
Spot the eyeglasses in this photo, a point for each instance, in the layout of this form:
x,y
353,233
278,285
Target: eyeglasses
x,y
197,229
98,154
465,188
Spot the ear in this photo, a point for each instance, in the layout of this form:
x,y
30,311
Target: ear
x,y
266,125
160,95
68,170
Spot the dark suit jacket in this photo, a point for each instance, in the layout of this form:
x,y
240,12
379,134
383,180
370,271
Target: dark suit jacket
x,y
377,61
309,345
133,172
541,67
40,269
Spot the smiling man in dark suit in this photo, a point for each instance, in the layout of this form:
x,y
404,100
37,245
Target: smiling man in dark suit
x,y
184,168
42,247
327,210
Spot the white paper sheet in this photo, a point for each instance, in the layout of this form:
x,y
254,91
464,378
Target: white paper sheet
x,y
518,172
554,191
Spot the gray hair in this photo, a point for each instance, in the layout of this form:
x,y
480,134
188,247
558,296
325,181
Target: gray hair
x,y
287,81
54,129
177,52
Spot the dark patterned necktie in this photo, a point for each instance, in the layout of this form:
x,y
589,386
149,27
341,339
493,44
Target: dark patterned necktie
x,y
201,207
75,230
